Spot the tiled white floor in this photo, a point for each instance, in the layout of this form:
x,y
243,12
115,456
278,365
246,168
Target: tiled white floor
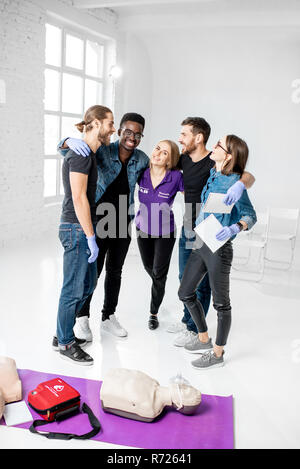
x,y
262,368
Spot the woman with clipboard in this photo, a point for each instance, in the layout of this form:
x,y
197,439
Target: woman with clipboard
x,y
230,155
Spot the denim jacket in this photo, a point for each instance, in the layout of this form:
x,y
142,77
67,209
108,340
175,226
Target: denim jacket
x,y
109,167
242,210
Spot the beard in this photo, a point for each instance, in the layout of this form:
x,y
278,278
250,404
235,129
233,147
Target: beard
x,y
189,148
104,137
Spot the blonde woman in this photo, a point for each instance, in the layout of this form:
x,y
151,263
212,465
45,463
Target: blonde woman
x,y
156,229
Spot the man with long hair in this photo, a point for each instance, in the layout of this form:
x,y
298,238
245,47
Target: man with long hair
x,y
77,231
120,165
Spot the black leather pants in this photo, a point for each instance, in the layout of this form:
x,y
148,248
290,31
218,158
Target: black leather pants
x,y
218,266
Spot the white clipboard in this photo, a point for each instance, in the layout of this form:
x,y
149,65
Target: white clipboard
x,y
207,231
215,204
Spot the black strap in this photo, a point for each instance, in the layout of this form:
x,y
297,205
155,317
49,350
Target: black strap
x,y
68,436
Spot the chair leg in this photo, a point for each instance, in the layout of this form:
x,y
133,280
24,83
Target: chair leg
x,y
284,265
245,257
261,271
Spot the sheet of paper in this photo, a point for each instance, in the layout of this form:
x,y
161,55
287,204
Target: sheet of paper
x,y
215,204
207,231
16,413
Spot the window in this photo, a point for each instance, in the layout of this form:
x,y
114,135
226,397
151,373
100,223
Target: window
x,y
74,81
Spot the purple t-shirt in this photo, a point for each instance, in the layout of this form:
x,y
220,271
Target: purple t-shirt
x,y
155,215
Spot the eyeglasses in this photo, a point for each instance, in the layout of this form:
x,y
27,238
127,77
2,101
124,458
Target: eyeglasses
x,y
130,133
219,145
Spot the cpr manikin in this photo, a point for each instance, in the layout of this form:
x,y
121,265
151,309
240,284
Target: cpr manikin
x,y
2,404
135,395
10,384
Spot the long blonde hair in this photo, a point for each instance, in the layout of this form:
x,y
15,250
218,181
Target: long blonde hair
x,y
174,155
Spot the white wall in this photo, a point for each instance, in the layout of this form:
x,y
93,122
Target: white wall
x,y
22,61
135,88
240,80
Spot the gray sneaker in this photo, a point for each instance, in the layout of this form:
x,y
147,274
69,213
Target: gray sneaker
x,y
196,346
208,360
176,327
184,338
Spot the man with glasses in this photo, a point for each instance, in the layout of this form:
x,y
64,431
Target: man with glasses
x,y
196,164
120,165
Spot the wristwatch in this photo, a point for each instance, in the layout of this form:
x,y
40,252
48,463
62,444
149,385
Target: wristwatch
x,y
240,225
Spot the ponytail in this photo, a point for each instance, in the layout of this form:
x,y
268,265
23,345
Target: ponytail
x,y
80,126
94,112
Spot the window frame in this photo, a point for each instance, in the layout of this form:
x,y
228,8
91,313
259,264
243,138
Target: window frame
x,y
85,36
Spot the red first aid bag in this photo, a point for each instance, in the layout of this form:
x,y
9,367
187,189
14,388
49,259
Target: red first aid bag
x,y
56,400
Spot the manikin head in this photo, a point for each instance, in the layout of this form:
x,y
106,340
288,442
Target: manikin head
x,y
185,398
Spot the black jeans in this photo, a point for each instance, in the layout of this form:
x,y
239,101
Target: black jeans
x,y
217,265
115,251
156,256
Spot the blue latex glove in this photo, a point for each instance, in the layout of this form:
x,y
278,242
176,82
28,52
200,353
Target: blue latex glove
x,y
234,193
227,232
93,248
78,146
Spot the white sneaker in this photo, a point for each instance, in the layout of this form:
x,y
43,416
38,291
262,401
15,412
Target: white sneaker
x,y
82,329
184,338
113,326
176,327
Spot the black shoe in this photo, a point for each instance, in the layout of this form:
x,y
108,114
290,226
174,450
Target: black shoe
x,y
74,354
81,342
153,322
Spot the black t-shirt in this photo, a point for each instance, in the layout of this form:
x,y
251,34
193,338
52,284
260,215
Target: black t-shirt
x,y
195,176
74,163
116,194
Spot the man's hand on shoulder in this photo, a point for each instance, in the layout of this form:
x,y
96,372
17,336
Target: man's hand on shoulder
x,y
78,146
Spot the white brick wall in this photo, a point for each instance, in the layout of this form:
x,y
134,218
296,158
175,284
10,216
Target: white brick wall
x,y
22,62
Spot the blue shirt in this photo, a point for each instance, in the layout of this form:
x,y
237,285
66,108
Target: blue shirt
x,y
109,166
242,210
155,215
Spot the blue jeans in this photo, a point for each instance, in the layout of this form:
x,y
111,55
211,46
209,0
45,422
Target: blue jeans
x,y
203,291
79,279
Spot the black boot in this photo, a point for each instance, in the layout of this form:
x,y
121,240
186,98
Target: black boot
x,y
153,322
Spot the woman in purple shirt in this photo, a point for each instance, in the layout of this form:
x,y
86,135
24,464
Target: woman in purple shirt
x,y
156,230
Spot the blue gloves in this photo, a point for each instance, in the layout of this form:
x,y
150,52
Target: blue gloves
x,y
227,232
78,146
93,248
234,193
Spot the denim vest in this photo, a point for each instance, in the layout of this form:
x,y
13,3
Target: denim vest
x,y
109,166
242,210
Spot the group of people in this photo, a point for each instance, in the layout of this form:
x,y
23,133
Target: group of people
x,y
98,213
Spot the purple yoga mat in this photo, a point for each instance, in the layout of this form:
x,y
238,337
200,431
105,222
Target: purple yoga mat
x,y
210,428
